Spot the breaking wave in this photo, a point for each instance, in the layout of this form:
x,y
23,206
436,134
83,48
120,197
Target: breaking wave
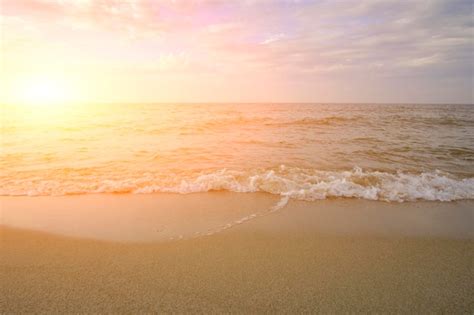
x,y
289,182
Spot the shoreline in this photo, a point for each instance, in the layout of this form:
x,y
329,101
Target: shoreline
x,y
336,256
168,216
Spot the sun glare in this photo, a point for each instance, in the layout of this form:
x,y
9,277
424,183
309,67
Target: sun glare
x,y
44,91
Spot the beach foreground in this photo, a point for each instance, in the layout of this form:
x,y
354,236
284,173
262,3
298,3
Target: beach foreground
x,y
328,256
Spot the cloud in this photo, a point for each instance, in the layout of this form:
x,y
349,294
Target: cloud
x,y
273,38
291,39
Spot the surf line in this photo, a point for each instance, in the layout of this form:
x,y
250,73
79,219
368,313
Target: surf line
x,y
278,206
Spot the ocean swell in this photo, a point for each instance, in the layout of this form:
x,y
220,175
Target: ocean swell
x,y
293,183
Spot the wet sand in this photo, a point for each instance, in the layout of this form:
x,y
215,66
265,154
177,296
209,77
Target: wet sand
x,y
328,256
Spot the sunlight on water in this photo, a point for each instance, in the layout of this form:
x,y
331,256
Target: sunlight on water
x,y
397,152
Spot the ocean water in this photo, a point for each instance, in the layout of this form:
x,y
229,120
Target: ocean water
x,y
299,151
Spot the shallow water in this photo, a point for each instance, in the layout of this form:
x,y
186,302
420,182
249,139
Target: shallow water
x,y
304,151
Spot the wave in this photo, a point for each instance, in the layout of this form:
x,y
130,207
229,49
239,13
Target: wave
x,y
325,121
266,121
441,120
224,122
291,182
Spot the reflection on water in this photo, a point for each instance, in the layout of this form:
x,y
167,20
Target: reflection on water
x,y
309,151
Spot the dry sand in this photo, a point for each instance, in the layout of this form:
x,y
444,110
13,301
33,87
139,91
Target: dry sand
x,y
330,256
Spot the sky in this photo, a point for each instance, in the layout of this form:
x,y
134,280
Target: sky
x,y
240,51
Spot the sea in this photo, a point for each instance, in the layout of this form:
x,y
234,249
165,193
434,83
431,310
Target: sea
x,y
387,152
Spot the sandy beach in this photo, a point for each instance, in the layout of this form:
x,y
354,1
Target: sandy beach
x,y
247,157
328,256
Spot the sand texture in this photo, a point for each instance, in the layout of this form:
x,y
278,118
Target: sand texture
x,y
284,262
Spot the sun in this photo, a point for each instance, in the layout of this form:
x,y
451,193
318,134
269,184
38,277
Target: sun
x,y
42,90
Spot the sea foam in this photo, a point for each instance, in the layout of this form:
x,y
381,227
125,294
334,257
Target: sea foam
x,y
290,182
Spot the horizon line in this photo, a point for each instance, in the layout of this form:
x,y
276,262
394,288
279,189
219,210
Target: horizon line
x,y
248,103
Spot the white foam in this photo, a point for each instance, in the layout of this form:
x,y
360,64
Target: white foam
x,y
288,182
279,205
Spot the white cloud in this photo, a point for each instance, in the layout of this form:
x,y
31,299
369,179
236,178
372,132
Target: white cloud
x,y
273,38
